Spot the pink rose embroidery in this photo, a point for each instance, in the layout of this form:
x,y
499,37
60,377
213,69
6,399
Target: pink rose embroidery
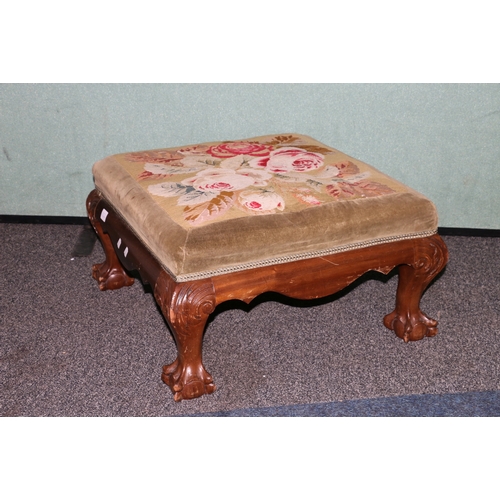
x,y
261,201
290,160
219,179
260,177
228,149
209,181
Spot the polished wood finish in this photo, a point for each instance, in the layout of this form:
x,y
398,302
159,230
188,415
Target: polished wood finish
x,y
187,306
109,274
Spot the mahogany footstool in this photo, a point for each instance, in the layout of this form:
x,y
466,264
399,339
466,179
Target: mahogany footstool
x,y
208,223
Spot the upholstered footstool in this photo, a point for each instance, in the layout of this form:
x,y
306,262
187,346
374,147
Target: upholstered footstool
x,y
208,223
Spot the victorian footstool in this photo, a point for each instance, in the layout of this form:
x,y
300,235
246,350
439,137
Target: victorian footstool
x,y
208,223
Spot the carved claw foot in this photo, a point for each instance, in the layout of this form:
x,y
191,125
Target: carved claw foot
x,y
186,307
407,320
187,381
110,277
411,327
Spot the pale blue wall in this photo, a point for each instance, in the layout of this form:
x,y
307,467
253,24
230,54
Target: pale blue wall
x,y
441,139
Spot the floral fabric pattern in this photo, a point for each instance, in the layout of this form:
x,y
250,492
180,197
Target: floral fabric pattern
x,y
275,174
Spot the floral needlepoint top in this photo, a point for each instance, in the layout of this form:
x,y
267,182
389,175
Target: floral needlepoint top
x,y
207,182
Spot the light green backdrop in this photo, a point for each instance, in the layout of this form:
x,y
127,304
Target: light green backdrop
x,y
441,139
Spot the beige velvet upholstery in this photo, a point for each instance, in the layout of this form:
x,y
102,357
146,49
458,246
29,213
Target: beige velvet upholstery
x,y
218,207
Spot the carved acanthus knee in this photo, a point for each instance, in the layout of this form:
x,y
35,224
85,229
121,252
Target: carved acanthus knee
x,y
407,320
186,307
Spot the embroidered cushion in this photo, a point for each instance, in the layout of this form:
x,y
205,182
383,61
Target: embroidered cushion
x,y
218,207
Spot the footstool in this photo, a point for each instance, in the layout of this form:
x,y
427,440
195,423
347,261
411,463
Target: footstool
x,y
212,222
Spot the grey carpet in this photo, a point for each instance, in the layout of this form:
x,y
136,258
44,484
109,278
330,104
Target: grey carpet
x,y
67,349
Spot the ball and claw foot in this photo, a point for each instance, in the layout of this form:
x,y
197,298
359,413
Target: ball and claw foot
x,y
187,382
411,327
407,320
110,277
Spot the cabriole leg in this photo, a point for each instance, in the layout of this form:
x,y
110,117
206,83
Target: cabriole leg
x,y
110,274
407,320
186,307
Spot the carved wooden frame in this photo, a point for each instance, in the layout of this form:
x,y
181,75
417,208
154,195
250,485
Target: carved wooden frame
x,y
186,306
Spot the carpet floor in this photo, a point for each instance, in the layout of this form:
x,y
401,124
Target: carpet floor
x,y
68,349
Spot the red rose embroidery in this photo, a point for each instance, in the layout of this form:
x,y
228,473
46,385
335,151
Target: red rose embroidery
x,y
229,149
290,160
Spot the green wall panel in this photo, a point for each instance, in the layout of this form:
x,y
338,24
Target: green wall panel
x,y
441,139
